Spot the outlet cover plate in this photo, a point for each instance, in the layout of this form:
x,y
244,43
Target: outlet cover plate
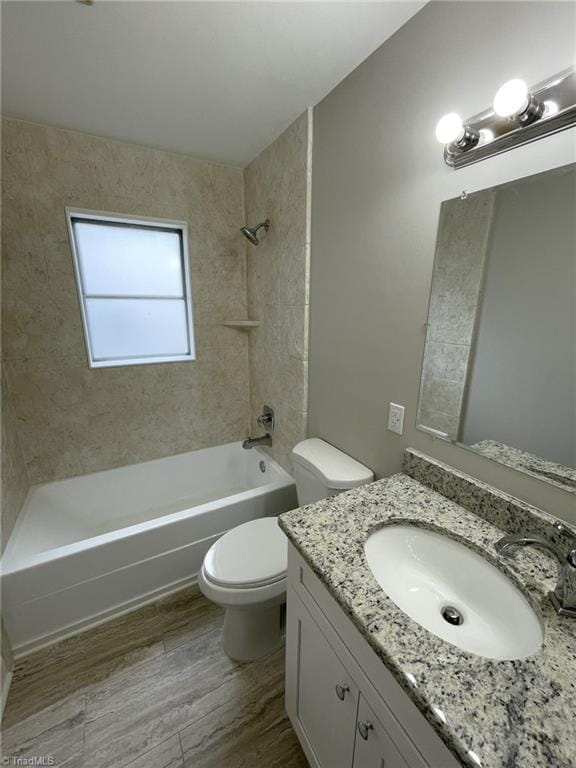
x,y
396,418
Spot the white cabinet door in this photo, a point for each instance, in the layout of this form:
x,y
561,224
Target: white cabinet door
x,y
320,690
374,748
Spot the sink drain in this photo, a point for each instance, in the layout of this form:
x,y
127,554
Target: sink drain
x,y
452,615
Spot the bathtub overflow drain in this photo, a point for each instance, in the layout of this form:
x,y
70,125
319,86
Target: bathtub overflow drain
x,y
262,466
452,615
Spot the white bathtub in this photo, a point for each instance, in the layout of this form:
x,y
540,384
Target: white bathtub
x,y
99,545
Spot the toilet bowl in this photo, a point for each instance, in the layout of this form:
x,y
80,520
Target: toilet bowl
x,y
245,570
245,573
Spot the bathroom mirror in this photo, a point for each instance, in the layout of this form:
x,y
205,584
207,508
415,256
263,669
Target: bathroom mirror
x,y
499,367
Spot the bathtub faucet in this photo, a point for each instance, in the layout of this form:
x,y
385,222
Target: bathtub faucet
x,y
252,442
266,420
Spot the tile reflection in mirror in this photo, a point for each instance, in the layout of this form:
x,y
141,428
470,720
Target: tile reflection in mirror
x,y
499,367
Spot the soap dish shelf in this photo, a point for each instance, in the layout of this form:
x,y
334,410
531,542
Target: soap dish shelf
x,y
241,324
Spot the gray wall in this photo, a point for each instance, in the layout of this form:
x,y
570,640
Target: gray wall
x,y
522,388
378,181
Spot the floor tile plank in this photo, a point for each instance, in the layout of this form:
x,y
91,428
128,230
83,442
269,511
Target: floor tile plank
x,y
187,615
168,754
54,673
250,729
131,713
155,690
57,731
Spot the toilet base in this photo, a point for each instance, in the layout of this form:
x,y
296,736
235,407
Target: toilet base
x,y
251,634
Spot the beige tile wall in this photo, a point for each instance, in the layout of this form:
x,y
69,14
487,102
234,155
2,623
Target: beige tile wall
x,y
15,482
72,419
277,186
457,280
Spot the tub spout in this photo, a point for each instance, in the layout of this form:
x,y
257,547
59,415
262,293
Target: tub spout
x,y
252,442
266,420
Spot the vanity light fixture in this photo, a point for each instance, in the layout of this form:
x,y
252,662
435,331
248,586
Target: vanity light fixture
x,y
449,128
550,108
456,137
451,131
519,115
514,101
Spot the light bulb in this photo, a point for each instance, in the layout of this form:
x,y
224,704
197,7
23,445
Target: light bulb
x,y
550,108
511,99
450,128
486,136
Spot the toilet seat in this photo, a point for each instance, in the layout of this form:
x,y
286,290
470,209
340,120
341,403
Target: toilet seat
x,y
251,556
260,597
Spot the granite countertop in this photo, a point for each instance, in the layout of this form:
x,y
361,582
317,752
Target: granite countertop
x,y
557,474
494,714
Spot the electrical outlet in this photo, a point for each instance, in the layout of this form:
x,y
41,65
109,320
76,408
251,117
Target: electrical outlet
x,y
396,418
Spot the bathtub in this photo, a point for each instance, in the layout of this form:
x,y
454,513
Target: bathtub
x,y
92,547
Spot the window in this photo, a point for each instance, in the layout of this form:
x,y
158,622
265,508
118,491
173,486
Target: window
x,y
134,288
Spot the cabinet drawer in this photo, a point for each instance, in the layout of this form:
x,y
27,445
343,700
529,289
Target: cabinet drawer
x,y
322,697
374,748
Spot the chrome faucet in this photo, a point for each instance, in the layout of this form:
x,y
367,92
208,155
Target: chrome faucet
x,y
252,442
266,420
563,597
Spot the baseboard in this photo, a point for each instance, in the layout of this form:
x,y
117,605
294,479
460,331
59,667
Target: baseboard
x,y
25,649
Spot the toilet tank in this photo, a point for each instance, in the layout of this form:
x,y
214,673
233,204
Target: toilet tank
x,y
321,470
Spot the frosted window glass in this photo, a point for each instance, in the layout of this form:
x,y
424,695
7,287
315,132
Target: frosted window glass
x,y
128,328
124,260
134,288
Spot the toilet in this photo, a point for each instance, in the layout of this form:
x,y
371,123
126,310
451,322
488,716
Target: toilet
x,y
245,570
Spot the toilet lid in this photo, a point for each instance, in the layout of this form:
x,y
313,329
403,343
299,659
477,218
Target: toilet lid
x,y
253,554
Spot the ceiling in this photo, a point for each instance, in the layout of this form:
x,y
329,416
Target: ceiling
x,y
216,80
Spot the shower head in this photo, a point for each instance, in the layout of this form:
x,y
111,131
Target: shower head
x,y
250,233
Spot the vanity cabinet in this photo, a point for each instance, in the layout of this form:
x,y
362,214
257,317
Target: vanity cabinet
x,y
346,708
373,747
327,695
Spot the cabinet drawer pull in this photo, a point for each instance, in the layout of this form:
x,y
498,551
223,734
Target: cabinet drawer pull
x,y
341,691
364,728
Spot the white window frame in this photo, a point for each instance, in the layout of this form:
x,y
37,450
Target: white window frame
x,y
115,218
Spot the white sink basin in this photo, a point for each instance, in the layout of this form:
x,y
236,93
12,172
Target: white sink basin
x,y
439,582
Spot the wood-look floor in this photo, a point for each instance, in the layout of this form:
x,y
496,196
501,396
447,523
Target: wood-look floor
x,y
155,690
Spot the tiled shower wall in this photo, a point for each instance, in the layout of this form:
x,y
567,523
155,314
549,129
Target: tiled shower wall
x,y
65,419
71,419
14,475
457,279
277,186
